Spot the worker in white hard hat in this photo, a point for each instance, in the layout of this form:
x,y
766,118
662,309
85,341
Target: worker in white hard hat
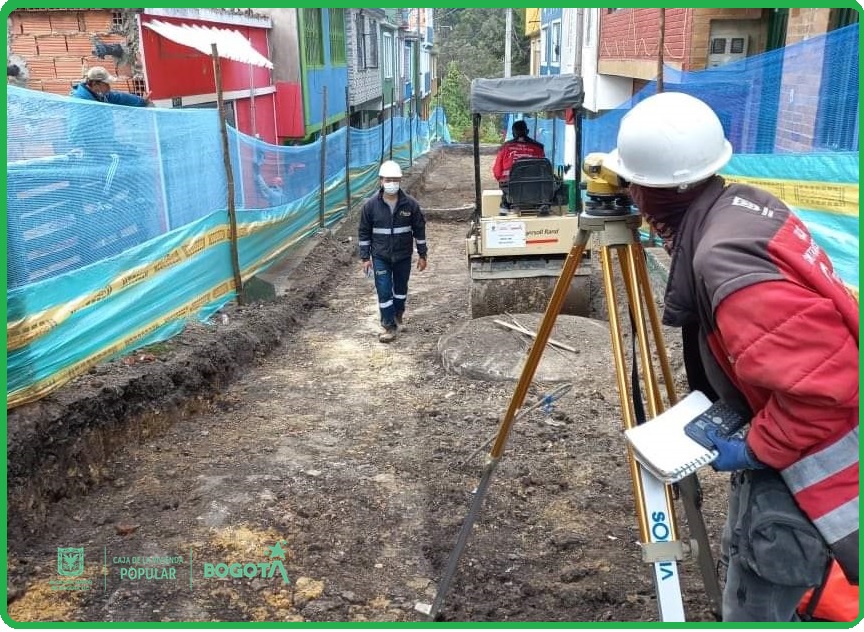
x,y
774,332
391,226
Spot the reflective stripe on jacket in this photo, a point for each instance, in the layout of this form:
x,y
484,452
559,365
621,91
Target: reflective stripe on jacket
x,y
391,235
779,340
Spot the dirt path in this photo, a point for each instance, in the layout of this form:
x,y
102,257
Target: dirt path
x,y
337,458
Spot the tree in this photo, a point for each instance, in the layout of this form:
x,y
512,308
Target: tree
x,y
474,39
471,46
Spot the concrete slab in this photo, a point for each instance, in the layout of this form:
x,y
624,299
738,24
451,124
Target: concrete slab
x,y
480,349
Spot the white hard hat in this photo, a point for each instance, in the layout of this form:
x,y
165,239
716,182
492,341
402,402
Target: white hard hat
x,y
390,169
670,139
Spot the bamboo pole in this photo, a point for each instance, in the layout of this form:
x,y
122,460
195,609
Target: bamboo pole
x,y
347,151
229,177
660,51
321,202
392,113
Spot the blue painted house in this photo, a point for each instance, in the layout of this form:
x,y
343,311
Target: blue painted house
x,y
551,44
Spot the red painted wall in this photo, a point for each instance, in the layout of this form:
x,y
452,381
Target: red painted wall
x,y
175,71
289,110
635,34
265,117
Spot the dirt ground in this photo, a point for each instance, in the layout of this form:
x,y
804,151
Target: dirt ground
x,y
287,433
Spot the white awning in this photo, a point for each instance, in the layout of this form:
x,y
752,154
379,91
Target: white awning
x,y
230,44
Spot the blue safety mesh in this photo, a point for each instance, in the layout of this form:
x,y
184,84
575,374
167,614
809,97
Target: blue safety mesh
x,y
117,224
88,181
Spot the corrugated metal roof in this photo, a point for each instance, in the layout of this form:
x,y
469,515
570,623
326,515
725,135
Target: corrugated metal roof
x,y
230,44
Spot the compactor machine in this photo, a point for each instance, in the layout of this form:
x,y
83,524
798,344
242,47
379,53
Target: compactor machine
x,y
516,259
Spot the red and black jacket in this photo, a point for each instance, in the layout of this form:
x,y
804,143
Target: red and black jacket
x,y
513,150
778,336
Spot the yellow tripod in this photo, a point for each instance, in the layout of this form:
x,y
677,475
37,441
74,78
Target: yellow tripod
x,y
616,231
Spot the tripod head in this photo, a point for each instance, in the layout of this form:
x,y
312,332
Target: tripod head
x,y
607,191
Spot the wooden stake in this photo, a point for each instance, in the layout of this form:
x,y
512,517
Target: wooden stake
x,y
229,176
347,151
660,51
552,342
321,203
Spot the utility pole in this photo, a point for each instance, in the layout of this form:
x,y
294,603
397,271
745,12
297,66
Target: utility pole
x,y
662,39
508,36
580,40
418,95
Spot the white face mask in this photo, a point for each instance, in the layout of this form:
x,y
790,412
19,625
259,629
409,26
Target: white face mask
x,y
391,188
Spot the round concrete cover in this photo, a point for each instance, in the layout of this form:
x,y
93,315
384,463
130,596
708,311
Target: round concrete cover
x,y
481,349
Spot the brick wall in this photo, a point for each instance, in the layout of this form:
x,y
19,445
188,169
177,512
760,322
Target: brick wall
x,y
799,93
805,23
54,48
634,34
701,31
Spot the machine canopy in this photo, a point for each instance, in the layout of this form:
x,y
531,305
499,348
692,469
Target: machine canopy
x,y
524,93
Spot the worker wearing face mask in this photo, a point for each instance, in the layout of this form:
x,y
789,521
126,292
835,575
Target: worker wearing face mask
x,y
391,226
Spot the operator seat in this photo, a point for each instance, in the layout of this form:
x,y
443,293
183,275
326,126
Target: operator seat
x,y
532,185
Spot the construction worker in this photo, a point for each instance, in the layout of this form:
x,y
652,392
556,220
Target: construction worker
x,y
391,225
97,87
777,335
521,146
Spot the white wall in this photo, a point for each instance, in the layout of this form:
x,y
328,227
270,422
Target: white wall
x,y
602,92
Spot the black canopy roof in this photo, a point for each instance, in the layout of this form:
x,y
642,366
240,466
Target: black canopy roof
x,y
526,94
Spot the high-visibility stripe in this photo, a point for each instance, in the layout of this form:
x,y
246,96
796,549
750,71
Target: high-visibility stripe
x,y
386,305
820,465
420,241
400,296
394,231
840,522
365,243
825,495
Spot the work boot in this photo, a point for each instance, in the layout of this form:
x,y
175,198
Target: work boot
x,y
388,335
399,324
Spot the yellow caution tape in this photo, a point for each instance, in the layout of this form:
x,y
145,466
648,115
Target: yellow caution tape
x,y
41,388
833,197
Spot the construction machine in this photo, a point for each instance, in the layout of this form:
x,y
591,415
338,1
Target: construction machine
x,y
515,259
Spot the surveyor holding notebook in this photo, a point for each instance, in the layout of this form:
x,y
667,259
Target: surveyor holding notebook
x,y
776,339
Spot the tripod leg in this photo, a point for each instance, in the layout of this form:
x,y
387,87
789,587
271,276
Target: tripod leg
x,y
634,295
652,497
689,487
525,379
654,317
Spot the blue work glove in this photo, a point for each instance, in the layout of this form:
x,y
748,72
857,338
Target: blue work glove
x,y
734,454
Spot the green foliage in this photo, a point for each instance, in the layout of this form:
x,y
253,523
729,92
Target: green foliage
x,y
471,46
454,100
474,39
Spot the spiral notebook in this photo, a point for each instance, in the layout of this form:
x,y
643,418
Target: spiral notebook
x,y
661,445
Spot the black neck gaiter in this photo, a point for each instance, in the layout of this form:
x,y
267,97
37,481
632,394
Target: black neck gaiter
x,y
664,208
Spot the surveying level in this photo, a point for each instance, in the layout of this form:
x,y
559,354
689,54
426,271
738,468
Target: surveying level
x,y
609,217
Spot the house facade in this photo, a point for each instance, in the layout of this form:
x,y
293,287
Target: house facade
x,y
365,77
310,53
532,32
53,48
416,59
391,45
697,39
551,41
